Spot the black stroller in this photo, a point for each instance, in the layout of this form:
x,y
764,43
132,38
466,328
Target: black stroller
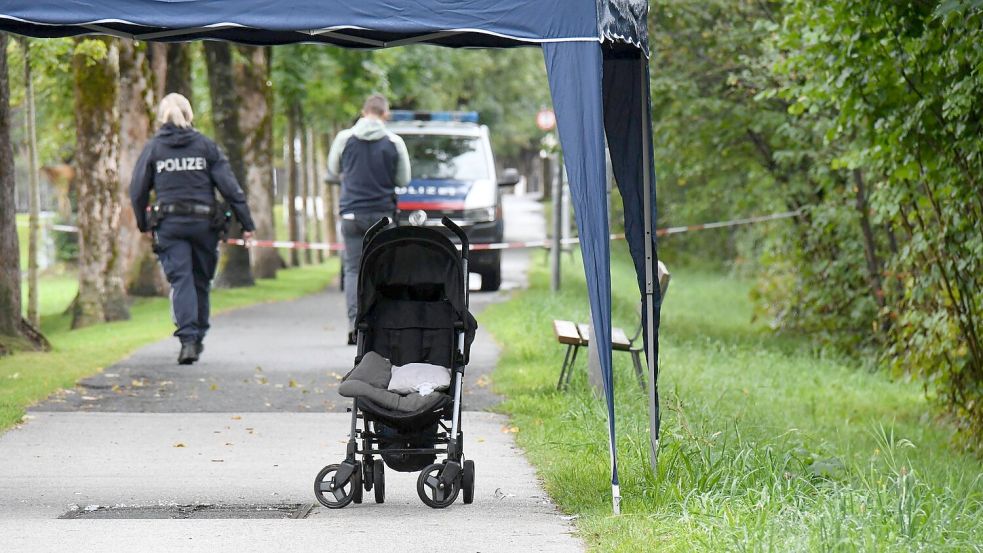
x,y
412,307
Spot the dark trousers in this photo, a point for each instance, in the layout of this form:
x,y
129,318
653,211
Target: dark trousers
x,y
188,252
352,232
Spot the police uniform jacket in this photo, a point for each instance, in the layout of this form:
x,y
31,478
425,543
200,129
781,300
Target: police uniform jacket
x,y
184,167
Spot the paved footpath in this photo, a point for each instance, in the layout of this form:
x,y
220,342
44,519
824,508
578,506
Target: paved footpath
x,y
243,432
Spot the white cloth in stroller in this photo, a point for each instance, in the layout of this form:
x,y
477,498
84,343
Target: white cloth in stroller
x,y
371,377
422,378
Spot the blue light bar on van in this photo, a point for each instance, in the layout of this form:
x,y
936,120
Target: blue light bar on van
x,y
451,116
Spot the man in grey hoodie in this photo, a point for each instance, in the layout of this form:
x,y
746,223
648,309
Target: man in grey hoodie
x,y
371,162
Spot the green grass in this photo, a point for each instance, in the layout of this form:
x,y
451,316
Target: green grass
x,y
766,444
26,378
57,284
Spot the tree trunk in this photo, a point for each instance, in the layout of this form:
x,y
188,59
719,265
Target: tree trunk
x,y
101,295
293,189
870,246
330,202
234,270
10,299
157,60
179,70
320,205
305,235
35,191
256,124
136,107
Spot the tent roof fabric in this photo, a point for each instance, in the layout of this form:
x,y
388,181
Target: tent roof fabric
x,y
362,24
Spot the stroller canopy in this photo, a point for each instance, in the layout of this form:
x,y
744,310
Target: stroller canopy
x,y
411,264
595,52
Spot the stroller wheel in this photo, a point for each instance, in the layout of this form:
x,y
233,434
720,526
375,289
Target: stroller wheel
x,y
367,469
379,478
467,482
357,484
332,494
433,491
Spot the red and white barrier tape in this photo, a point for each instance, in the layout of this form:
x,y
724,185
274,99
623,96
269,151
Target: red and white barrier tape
x,y
338,246
287,244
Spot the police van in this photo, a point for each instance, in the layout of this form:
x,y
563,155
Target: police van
x,y
454,175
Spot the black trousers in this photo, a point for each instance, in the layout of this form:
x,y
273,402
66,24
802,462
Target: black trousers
x,y
188,252
352,232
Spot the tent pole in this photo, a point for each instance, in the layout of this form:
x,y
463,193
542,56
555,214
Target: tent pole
x,y
649,276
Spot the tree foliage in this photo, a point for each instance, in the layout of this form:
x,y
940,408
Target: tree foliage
x,y
903,84
866,117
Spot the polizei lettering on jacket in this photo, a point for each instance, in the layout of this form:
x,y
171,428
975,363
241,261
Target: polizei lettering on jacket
x,y
181,164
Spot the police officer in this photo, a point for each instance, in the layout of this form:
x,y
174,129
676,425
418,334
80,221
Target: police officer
x,y
184,168
372,162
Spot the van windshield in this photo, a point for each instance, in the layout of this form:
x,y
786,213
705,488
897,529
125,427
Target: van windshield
x,y
442,157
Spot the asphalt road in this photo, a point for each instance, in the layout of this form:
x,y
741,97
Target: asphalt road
x,y
281,357
247,428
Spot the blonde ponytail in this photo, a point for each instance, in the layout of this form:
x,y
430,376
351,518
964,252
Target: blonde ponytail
x,y
175,109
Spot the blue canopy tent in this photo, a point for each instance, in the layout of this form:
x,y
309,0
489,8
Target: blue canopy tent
x,y
596,60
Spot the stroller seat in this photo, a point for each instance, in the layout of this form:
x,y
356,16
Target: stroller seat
x,y
403,420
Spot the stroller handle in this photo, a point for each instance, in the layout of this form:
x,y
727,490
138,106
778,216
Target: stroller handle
x,y
459,232
375,228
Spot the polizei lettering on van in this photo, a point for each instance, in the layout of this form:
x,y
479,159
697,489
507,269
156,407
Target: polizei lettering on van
x,y
181,164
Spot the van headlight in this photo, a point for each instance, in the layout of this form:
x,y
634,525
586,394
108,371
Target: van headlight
x,y
480,214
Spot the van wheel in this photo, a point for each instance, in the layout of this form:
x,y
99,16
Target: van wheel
x,y
491,280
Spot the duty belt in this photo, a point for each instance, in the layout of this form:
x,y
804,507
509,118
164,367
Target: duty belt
x,y
203,210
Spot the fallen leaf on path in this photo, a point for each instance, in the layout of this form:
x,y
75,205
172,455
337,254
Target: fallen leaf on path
x,y
293,384
510,429
482,382
236,418
502,494
179,444
214,387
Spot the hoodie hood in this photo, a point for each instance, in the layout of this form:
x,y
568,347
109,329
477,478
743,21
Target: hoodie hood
x,y
175,136
369,129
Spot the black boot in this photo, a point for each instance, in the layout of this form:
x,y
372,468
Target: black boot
x,y
189,353
200,346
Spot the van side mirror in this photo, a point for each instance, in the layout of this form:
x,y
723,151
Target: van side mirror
x,y
509,178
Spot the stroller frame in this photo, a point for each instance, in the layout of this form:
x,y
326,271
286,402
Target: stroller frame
x,y
438,484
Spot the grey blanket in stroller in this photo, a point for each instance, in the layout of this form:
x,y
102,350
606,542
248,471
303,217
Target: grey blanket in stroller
x,y
370,379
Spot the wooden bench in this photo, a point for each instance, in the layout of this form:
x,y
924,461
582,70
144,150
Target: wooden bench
x,y
575,336
567,333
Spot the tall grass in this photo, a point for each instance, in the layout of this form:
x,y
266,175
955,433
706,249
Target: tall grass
x,y
767,444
